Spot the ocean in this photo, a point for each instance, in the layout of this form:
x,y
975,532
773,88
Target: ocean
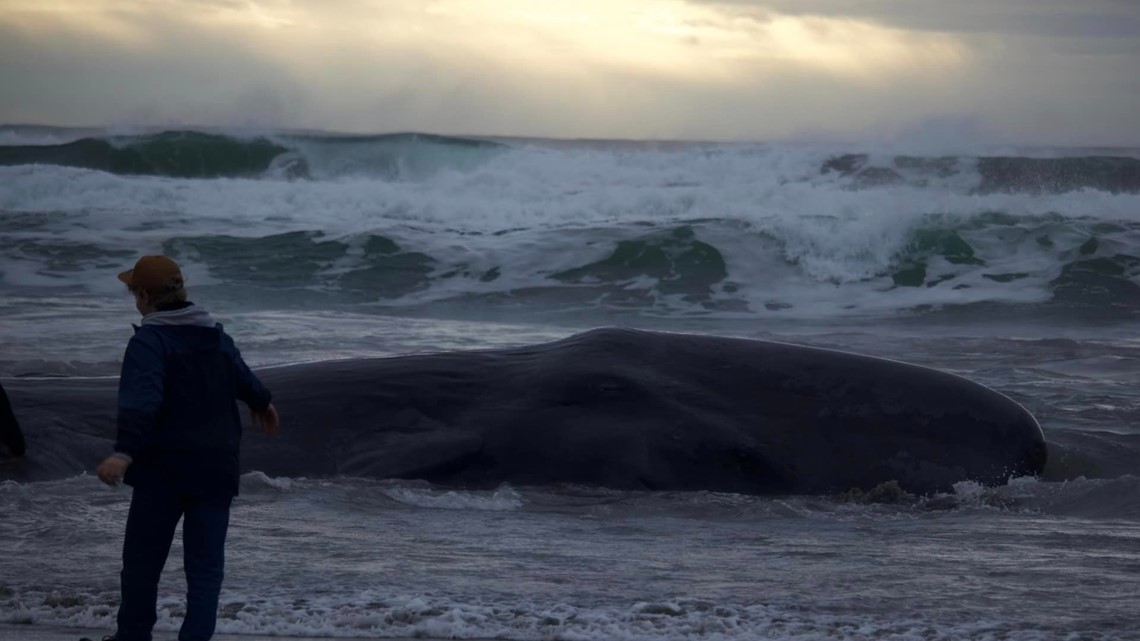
x,y
1018,268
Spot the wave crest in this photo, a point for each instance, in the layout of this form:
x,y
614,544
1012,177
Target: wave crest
x,y
193,154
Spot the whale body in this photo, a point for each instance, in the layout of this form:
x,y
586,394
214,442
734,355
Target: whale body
x,y
618,408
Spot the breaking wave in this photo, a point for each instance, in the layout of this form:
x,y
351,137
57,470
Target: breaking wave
x,y
416,221
192,154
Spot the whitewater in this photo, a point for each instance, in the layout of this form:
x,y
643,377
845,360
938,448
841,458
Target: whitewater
x,y
1017,268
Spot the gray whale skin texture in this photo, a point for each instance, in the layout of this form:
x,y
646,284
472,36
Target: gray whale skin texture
x,y
617,408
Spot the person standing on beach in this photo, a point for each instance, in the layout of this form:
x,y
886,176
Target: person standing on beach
x,y
10,435
179,433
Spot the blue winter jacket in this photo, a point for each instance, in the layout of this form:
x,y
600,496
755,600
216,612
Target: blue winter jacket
x,y
178,419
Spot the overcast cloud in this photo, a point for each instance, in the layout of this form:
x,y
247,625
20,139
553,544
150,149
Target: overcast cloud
x,y
1014,71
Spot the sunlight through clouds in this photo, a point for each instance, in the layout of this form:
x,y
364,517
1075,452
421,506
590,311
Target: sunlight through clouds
x,y
98,18
671,37
719,68
666,37
861,49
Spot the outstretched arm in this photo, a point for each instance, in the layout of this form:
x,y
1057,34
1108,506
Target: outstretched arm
x,y
254,394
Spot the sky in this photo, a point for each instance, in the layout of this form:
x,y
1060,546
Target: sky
x,y
1047,72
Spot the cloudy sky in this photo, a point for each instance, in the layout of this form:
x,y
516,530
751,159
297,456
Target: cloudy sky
x,y
1017,71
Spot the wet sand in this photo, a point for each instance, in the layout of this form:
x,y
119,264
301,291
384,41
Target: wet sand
x,y
15,632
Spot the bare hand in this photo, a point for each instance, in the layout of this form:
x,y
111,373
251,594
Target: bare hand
x,y
266,419
111,470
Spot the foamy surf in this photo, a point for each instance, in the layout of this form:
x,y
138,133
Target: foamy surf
x,y
342,559
762,232
502,499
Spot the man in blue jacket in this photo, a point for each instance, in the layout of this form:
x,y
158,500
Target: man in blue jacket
x,y
179,435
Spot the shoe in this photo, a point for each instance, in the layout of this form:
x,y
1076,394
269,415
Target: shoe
x,y
110,638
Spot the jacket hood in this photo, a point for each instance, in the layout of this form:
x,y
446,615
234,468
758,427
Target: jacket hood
x,y
190,315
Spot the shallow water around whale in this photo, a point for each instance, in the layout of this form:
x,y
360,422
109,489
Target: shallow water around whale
x,y
391,246
372,558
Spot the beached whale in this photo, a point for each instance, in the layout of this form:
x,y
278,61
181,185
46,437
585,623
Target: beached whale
x,y
618,408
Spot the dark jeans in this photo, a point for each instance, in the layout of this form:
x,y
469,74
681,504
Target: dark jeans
x,y
155,512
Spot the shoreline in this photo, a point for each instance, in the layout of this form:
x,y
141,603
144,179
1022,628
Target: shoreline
x,y
37,632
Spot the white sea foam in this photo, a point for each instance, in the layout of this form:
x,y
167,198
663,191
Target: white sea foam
x,y
339,558
260,480
790,236
505,498
378,614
